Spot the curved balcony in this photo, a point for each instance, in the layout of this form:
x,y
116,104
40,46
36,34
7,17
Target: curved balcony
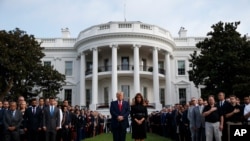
x,y
132,27
124,68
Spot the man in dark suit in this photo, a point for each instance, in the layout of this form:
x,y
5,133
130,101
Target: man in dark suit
x,y
41,133
4,108
119,111
51,120
223,105
33,121
1,120
66,122
12,121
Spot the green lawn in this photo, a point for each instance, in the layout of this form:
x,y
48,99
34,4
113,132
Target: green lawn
x,y
108,137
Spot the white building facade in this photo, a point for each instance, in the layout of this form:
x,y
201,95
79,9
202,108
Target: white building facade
x,y
123,56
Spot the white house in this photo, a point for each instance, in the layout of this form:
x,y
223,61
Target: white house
x,y
123,56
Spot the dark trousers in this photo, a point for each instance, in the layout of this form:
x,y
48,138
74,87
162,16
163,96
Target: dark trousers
x,y
12,136
50,136
41,135
79,134
66,134
1,133
164,130
59,134
119,134
200,135
32,135
224,132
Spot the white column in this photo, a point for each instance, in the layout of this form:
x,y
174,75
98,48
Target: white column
x,y
158,106
94,79
168,98
114,71
136,70
82,81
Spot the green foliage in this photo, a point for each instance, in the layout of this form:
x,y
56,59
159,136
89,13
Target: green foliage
x,y
50,80
223,62
20,64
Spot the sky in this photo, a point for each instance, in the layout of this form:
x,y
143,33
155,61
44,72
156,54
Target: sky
x,y
46,18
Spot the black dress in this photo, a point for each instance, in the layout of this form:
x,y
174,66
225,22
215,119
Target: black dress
x,y
138,111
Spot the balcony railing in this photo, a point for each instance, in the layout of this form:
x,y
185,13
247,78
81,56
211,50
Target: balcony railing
x,y
124,68
150,69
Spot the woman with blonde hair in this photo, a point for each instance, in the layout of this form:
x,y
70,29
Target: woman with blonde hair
x,y
139,116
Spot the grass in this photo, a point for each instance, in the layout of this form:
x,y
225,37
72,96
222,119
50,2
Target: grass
x,y
108,137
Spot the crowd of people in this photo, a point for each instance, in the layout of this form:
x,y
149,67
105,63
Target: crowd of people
x,y
201,120
46,120
198,120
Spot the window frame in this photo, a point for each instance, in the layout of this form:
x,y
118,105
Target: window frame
x,y
68,69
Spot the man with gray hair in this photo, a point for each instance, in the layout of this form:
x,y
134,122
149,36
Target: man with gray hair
x,y
191,118
12,121
199,121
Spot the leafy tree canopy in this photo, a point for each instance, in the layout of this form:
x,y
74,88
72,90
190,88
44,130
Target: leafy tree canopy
x,y
21,71
223,61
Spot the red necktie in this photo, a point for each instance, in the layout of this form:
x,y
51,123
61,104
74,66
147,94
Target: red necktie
x,y
120,105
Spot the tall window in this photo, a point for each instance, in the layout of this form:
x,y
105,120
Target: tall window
x,y
161,64
106,95
89,66
145,93
125,90
88,97
68,68
162,96
183,95
68,95
47,63
106,65
144,64
181,67
125,63
161,67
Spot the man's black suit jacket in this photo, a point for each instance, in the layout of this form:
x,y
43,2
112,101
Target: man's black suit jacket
x,y
33,121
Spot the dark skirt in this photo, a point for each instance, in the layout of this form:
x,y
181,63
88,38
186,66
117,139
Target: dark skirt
x,y
139,131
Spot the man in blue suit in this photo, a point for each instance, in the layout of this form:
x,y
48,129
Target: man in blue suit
x,y
119,111
51,120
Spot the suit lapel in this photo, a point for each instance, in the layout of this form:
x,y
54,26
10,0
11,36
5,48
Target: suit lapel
x,y
11,115
117,106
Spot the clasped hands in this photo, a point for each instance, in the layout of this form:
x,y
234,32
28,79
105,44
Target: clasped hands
x,y
11,128
120,118
139,122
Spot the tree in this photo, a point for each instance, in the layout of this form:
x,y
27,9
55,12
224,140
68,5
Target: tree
x,y
223,61
48,81
20,65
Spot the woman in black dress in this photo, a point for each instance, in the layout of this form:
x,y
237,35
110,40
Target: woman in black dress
x,y
139,115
